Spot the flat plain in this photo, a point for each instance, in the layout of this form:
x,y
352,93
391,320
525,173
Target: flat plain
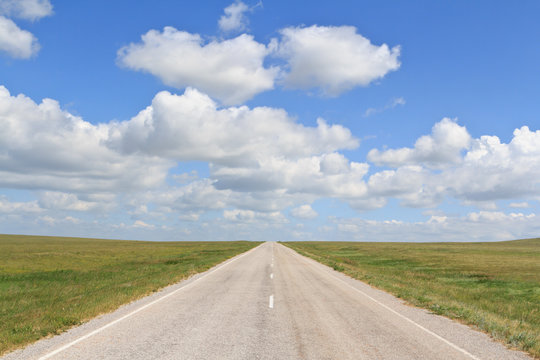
x,y
493,286
269,303
49,284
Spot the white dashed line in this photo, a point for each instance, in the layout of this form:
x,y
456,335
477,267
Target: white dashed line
x,y
271,275
271,302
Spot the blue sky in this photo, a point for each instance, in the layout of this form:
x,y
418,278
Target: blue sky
x,y
372,121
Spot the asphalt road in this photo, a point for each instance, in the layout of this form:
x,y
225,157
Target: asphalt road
x,y
269,303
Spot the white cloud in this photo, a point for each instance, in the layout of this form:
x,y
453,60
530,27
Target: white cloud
x,y
493,170
139,224
480,204
8,207
481,226
71,219
412,184
450,163
202,196
519,205
333,58
303,176
249,216
172,125
444,146
186,177
55,221
230,70
65,201
399,101
496,216
261,162
26,9
406,179
197,196
260,159
44,147
16,42
49,220
234,18
304,212
189,216
368,202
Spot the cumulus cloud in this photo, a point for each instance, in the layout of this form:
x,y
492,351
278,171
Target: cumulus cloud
x,y
333,58
492,170
197,196
484,225
66,201
9,207
26,9
230,70
45,147
234,18
302,176
172,125
260,159
329,58
16,42
444,146
304,212
449,163
496,216
249,216
261,163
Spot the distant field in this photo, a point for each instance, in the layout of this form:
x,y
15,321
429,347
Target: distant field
x,y
493,286
48,284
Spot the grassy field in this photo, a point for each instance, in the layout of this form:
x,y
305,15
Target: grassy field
x,y
48,284
492,286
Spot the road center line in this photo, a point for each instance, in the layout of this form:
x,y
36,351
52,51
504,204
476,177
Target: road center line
x,y
463,351
68,345
271,302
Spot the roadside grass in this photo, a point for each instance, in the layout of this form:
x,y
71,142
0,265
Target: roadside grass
x,y
49,284
493,286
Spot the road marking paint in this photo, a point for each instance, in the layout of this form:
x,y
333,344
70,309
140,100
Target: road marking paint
x,y
68,345
271,302
271,275
456,347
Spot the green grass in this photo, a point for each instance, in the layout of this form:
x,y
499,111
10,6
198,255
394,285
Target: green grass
x,y
492,286
49,284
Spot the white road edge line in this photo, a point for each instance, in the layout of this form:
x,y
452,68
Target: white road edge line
x,y
68,345
271,302
463,351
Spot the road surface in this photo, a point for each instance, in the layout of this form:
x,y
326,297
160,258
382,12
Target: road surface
x,y
269,303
